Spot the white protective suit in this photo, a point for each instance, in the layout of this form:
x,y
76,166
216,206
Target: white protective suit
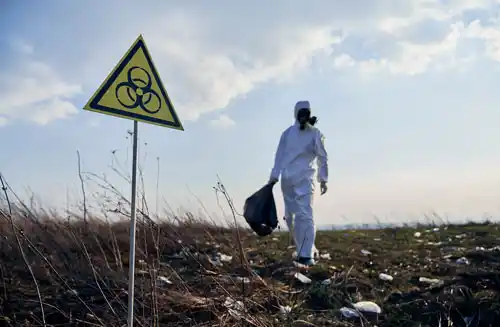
x,y
294,159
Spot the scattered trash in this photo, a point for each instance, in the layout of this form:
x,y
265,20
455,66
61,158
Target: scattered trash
x,y
285,310
225,258
367,307
302,278
385,277
392,276
430,281
365,252
235,308
349,313
165,279
325,256
245,280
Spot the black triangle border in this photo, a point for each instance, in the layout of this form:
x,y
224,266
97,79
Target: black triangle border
x,y
94,104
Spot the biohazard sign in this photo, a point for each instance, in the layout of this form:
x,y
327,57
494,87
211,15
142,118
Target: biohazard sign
x,y
134,90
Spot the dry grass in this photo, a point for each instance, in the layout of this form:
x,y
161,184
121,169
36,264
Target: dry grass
x,y
80,270
73,271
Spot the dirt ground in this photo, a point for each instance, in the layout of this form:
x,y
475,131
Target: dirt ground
x,y
61,273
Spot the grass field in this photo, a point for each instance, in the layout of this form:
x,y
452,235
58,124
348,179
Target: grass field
x,y
59,272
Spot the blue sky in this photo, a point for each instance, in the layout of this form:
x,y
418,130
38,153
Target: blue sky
x,y
406,93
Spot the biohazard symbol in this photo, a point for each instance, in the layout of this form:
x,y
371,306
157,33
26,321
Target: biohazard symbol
x,y
138,91
134,90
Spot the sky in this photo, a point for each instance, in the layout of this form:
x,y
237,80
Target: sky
x,y
406,93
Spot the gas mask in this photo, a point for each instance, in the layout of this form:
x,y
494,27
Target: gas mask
x,y
304,118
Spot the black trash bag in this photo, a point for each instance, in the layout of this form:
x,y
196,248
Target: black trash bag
x,y
260,211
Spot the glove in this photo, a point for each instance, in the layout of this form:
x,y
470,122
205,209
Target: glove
x,y
323,188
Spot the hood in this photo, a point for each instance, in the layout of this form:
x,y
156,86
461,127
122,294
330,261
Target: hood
x,y
301,105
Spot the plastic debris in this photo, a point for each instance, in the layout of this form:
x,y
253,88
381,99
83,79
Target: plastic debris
x,y
225,258
245,280
302,278
385,277
430,281
349,313
285,310
165,279
325,256
235,308
367,306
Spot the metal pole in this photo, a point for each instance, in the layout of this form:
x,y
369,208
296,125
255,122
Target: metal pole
x,y
133,211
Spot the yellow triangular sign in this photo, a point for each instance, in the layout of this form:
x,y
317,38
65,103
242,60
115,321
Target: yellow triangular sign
x,y
134,90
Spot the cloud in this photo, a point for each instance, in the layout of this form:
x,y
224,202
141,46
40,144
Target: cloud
x,y
209,57
490,35
33,91
214,65
3,121
223,122
435,35
208,78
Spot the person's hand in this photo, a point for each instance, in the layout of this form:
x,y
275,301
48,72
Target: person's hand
x,y
323,188
273,181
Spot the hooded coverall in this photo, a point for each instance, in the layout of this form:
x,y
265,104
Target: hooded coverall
x,y
294,159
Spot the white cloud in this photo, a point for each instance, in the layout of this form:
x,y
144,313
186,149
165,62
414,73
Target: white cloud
x,y
211,56
33,91
212,59
434,35
3,121
223,122
208,77
489,34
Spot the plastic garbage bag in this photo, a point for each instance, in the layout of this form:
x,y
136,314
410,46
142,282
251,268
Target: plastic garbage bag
x,y
260,211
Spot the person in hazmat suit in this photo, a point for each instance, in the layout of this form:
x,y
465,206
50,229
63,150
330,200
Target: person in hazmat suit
x,y
299,146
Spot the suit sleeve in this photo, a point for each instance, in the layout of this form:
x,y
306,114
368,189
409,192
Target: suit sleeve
x,y
278,158
322,158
